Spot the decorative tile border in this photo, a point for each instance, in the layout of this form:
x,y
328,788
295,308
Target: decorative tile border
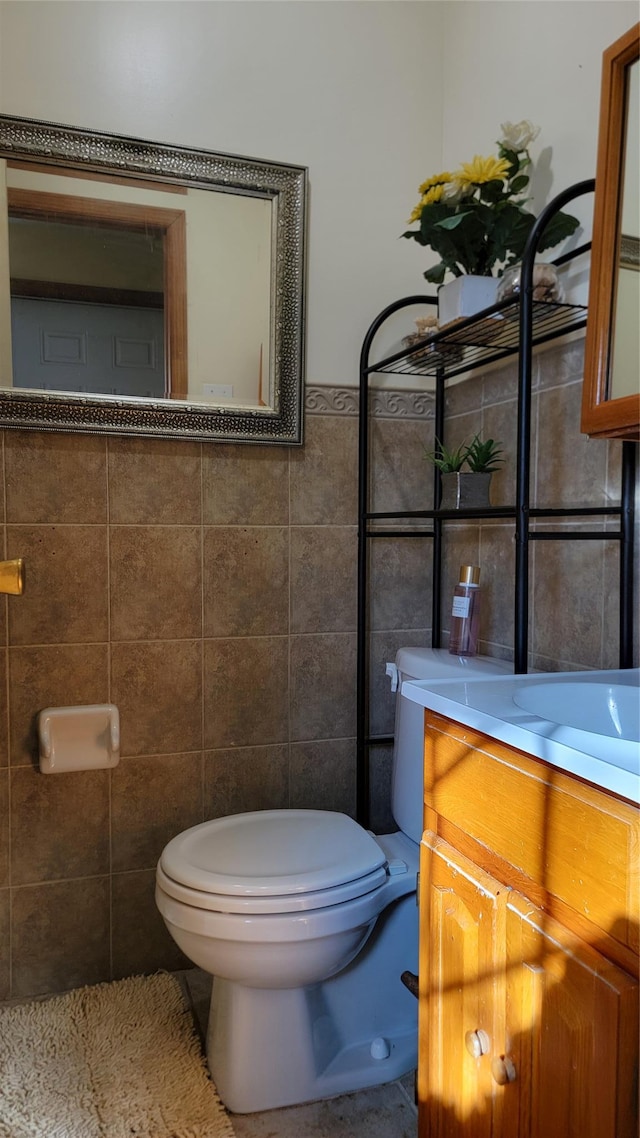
x,y
384,404
331,400
402,404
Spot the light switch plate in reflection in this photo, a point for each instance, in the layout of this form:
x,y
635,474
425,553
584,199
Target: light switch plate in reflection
x,y
217,390
79,738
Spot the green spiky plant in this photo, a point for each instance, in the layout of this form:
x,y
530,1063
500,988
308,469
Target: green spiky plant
x,y
447,461
480,457
483,457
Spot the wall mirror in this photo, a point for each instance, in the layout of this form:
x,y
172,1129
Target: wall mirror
x,y
611,398
149,289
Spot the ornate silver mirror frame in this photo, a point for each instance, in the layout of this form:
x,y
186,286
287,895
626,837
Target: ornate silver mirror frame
x,y
285,186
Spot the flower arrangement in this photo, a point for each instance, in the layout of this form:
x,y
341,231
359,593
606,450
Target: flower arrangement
x,y
475,219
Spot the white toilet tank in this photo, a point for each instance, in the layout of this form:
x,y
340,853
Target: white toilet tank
x,y
407,776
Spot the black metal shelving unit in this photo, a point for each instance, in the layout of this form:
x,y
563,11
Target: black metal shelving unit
x,y
512,327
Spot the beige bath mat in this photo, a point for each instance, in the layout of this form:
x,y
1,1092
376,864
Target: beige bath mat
x,y
118,1060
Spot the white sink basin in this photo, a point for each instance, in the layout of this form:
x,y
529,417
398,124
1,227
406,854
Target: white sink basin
x,y
586,723
602,708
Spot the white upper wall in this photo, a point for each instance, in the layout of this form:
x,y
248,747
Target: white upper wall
x,y
351,90
372,96
531,60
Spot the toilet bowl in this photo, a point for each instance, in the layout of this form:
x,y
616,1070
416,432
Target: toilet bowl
x,y
307,921
309,890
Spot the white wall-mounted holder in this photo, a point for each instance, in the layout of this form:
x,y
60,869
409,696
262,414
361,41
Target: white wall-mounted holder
x,y
79,738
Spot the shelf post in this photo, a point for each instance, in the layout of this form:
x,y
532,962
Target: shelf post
x,y
436,558
363,779
627,509
523,475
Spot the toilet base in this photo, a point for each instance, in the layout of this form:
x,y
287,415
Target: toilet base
x,y
270,1048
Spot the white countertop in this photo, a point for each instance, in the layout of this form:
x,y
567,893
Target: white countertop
x,y
487,704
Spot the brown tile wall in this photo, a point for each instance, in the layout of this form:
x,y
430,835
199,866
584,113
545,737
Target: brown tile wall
x,y
209,591
573,593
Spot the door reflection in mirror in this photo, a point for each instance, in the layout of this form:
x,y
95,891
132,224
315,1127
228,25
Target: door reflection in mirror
x,y
148,290
87,307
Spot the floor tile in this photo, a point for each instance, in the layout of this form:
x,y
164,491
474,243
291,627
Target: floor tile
x,y
380,1112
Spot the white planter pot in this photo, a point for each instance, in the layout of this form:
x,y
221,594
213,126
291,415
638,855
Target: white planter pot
x,y
465,296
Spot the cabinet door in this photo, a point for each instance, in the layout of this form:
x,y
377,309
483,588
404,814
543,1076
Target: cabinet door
x,y
462,948
572,1033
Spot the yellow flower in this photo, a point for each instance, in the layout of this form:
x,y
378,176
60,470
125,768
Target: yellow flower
x,y
436,180
432,195
431,191
481,170
416,213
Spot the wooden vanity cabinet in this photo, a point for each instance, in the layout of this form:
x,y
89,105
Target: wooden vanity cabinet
x,y
528,948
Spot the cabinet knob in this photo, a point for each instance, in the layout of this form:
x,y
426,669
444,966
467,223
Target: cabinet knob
x,y
503,1070
477,1043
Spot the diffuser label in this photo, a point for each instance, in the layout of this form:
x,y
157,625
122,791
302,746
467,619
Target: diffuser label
x,y
461,606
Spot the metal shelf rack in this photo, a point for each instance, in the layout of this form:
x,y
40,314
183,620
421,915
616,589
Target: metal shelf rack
x,y
512,327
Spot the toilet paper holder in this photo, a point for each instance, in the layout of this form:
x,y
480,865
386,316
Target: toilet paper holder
x,y
79,738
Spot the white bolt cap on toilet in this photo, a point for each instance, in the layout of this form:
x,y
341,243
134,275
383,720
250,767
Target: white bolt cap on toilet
x,y
380,1048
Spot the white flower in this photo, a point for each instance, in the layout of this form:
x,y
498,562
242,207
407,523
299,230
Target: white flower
x,y
452,193
518,135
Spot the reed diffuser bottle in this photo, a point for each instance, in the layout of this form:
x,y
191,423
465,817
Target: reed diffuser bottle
x,y
465,612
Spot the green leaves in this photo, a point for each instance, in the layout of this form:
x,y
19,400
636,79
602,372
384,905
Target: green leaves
x,y
483,457
447,461
452,222
519,184
436,274
491,191
560,226
512,159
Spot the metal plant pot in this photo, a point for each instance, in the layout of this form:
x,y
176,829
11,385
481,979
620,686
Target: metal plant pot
x,y
465,490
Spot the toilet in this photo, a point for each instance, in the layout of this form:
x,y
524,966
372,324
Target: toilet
x,y
307,922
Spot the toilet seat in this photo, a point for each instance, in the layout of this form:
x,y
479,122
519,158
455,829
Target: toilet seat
x,y
272,861
252,906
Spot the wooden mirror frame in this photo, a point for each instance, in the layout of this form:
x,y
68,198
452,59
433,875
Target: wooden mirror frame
x,y
52,145
602,416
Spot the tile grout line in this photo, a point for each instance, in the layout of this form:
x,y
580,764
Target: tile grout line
x,y
109,697
202,641
289,636
7,686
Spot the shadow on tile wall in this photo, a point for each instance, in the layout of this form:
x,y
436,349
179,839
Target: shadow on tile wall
x,y
209,591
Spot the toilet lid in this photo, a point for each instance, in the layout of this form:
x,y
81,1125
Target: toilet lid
x,y
273,853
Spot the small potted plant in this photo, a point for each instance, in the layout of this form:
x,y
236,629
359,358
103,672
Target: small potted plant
x,y
466,488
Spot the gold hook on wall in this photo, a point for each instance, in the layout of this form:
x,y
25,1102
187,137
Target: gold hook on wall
x,y
12,576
